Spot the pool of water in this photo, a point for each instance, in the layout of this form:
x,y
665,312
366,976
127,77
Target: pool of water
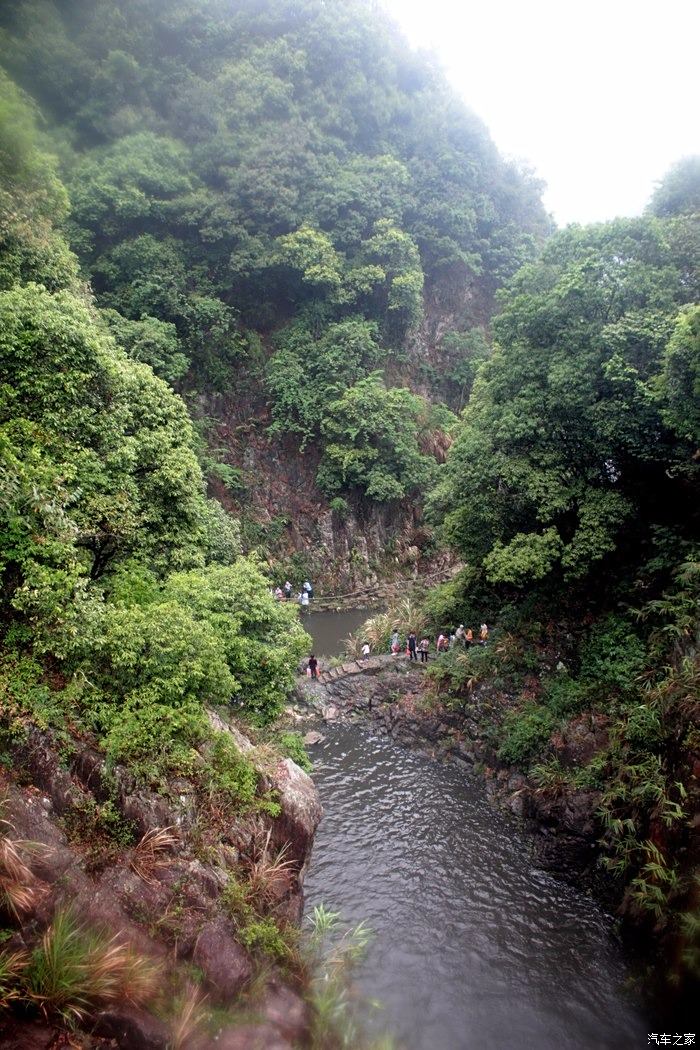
x,y
329,629
473,947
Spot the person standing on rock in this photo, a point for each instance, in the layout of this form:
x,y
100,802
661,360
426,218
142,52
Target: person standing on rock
x,y
459,634
484,634
313,666
365,650
412,654
308,589
424,646
395,643
288,590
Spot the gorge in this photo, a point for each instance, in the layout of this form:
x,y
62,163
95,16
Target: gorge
x,y
273,307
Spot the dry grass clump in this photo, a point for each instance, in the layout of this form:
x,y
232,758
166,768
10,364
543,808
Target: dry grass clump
x,y
17,881
74,969
12,969
18,884
150,853
189,1017
269,873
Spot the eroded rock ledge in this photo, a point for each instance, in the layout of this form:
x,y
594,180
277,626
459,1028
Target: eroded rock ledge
x,y
170,908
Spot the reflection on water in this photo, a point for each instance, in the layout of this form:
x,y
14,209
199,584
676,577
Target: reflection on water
x,y
329,629
474,947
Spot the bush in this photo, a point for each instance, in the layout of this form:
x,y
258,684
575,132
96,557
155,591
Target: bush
x,y
564,695
292,745
228,774
525,733
613,658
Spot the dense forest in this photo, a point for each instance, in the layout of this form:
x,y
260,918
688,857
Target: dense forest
x,y
266,228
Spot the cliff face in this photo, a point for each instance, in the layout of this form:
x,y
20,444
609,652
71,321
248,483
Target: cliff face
x,y
203,903
285,513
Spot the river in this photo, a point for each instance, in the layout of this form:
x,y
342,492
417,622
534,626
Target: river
x,y
473,946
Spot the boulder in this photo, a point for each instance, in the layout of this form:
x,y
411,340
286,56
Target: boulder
x,y
26,1035
288,1012
301,811
225,964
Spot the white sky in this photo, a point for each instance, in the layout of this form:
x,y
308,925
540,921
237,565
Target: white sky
x,y
600,97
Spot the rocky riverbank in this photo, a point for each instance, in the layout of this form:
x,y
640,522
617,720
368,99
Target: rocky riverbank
x,y
196,894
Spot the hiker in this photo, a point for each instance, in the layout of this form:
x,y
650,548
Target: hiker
x,y
412,654
365,650
395,643
483,634
313,666
279,594
459,634
424,646
468,637
288,590
308,589
442,643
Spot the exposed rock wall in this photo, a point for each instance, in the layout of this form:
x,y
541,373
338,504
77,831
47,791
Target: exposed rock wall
x,y
171,910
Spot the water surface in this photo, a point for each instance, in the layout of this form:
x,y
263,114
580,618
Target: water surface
x,y
329,629
474,947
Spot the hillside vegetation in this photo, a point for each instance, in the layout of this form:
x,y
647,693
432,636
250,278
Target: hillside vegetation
x,y
264,197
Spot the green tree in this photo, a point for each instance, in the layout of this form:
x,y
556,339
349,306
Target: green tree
x,y
372,442
562,456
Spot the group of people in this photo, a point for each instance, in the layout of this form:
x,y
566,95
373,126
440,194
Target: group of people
x,y
445,641
304,596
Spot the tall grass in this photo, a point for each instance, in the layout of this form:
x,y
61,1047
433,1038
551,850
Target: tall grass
x,y
403,615
74,969
333,955
18,884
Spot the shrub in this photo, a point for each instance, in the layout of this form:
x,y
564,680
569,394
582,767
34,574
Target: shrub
x,y
525,733
292,745
228,775
264,935
564,695
613,658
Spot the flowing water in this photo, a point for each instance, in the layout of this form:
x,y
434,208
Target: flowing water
x,y
473,946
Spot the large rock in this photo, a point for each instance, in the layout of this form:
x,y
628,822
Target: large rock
x,y
225,964
288,1012
301,811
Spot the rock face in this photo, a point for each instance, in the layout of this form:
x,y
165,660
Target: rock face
x,y
169,906
226,966
301,811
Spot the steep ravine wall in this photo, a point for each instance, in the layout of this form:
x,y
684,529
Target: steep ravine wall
x,y
342,552
169,907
